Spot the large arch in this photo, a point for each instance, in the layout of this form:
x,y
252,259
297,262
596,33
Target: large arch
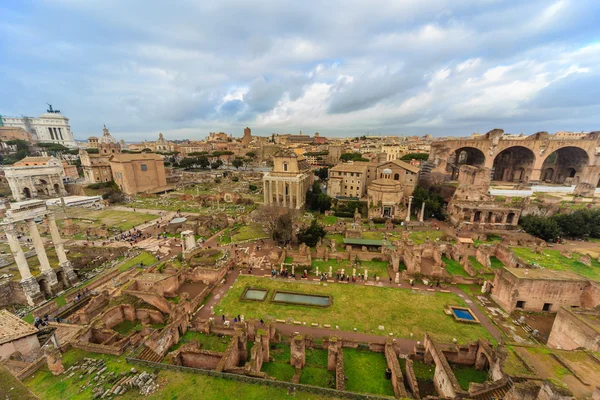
x,y
514,164
567,163
464,156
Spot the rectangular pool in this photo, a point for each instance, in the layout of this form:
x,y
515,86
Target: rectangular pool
x,y
302,299
255,294
461,313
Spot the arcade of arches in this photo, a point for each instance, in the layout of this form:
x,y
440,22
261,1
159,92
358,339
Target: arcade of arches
x,y
540,157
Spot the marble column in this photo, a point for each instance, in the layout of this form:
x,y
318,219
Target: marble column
x,y
266,191
299,195
292,187
422,217
38,244
30,285
277,191
285,190
409,206
63,261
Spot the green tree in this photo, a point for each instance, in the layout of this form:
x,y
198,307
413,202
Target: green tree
x,y
434,202
543,227
415,156
311,235
316,200
322,173
216,164
352,157
237,163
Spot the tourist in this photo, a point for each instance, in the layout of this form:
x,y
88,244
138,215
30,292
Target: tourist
x,y
239,318
223,317
235,320
262,322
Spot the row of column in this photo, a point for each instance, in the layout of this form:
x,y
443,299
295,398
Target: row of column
x,y
422,215
54,133
277,188
29,283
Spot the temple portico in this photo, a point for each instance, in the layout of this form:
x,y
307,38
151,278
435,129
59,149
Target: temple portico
x,y
287,184
47,282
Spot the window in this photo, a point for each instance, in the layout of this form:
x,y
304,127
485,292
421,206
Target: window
x,y
144,167
547,307
285,166
520,304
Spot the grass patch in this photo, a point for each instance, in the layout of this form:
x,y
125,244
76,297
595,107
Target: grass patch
x,y
249,232
476,264
338,239
423,371
145,258
419,237
206,342
495,263
453,267
118,220
552,259
316,376
126,327
403,312
467,374
380,268
329,219
366,372
513,365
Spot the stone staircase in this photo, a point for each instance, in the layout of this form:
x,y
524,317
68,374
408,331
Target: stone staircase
x,y
494,394
149,355
44,334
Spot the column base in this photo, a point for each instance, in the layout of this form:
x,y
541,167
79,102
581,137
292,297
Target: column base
x,y
69,276
32,291
52,281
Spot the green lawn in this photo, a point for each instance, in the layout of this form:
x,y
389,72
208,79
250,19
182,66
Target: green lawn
x,y
174,385
453,267
280,367
144,258
495,263
366,372
401,311
315,370
476,264
207,342
339,240
328,220
467,374
422,370
554,260
126,327
373,267
249,232
419,237
121,220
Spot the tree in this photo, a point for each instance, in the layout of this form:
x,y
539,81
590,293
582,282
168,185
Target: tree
x,y
415,156
216,164
352,157
316,200
322,173
251,154
237,163
542,227
311,235
252,187
434,202
277,222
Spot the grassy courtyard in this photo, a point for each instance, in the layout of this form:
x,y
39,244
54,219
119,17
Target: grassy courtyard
x,y
174,385
121,220
206,342
366,372
315,370
552,259
280,368
401,311
241,233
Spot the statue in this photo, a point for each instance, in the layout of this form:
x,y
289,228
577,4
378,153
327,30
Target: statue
x,y
357,215
50,110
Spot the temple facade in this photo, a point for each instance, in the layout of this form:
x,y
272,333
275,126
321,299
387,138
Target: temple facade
x,y
286,185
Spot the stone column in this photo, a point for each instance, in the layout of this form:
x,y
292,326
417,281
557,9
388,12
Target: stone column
x,y
292,188
265,191
409,206
299,196
32,189
30,286
277,191
422,217
63,261
45,267
285,190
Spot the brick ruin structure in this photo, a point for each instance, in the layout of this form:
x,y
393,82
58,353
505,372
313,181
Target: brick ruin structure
x,y
537,158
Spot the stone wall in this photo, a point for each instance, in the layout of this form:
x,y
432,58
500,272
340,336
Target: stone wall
x,y
203,359
91,310
120,313
572,329
392,363
298,351
444,380
11,292
199,274
335,361
411,379
591,295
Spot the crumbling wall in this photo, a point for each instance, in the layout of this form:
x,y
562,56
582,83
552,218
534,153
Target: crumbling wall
x,y
203,359
392,362
298,352
335,361
411,379
506,256
483,257
444,380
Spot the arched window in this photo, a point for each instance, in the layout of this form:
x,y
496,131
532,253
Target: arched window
x,y
396,177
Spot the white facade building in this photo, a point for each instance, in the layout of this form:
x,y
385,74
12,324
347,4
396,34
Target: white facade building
x,y
50,127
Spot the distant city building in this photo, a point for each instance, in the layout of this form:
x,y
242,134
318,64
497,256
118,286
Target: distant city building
x,y
286,185
350,179
50,127
96,168
247,138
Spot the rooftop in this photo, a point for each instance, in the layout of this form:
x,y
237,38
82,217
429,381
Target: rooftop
x,y
350,167
544,273
13,327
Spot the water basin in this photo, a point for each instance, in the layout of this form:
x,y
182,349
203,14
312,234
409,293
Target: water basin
x,y
464,314
255,294
302,299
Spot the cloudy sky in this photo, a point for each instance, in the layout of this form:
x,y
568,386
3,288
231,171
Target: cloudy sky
x,y
342,68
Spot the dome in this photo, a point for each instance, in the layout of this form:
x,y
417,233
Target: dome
x,y
107,137
387,171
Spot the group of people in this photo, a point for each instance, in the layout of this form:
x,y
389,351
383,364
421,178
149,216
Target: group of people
x,y
284,273
39,323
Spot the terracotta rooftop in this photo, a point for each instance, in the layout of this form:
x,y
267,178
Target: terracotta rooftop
x,y
404,165
33,160
124,157
13,327
350,167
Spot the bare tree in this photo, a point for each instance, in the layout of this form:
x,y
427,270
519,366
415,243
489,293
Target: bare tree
x,y
277,222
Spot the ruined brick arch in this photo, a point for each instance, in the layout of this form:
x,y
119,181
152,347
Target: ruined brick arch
x,y
566,163
465,155
514,164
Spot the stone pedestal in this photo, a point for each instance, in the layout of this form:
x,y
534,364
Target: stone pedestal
x,y
32,291
409,206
